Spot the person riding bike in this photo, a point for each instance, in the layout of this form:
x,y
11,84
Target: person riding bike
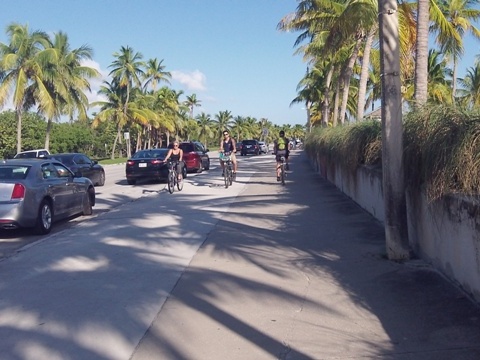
x,y
175,154
228,145
281,147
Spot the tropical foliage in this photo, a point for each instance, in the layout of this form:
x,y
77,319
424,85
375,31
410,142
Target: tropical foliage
x,y
43,74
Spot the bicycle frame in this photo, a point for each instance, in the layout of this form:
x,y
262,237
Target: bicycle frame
x,y
173,178
228,170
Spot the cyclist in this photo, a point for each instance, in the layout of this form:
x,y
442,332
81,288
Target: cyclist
x,y
176,155
228,145
281,147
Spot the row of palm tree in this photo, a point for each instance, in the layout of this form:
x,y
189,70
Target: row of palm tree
x,y
339,40
38,71
45,74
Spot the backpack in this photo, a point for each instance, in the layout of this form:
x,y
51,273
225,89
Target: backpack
x,y
281,144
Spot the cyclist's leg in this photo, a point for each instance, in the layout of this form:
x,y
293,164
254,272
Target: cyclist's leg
x,y
234,162
179,171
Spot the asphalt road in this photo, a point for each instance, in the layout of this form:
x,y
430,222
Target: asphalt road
x,y
256,271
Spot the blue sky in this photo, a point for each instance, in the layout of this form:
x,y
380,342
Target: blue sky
x,y
227,52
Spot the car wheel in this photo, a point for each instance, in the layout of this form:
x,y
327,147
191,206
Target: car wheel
x,y
208,165
131,181
184,172
44,218
101,181
87,204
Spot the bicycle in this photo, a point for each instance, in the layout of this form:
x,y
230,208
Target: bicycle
x,y
173,178
228,175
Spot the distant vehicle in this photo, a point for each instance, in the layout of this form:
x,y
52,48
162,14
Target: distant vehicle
x,y
149,165
87,167
30,154
263,147
250,147
35,193
195,156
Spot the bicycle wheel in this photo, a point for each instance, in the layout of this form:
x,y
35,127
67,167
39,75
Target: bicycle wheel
x,y
179,184
226,176
171,182
282,174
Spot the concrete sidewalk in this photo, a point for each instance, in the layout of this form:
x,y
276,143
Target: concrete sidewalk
x,y
299,272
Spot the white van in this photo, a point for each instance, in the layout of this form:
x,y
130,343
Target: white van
x,y
38,153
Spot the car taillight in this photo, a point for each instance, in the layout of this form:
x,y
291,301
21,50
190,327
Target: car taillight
x,y
130,163
156,162
18,192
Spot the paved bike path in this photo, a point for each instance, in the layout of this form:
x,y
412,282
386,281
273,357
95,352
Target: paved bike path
x,y
299,272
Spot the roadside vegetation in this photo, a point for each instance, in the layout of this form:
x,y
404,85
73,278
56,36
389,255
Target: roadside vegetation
x,y
441,148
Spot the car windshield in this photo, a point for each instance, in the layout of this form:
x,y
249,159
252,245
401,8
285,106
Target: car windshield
x,y
147,154
65,159
249,142
8,172
186,147
26,155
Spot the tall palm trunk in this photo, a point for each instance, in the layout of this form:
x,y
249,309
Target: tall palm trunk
x,y
362,87
421,61
18,111
47,134
454,80
336,102
347,76
326,99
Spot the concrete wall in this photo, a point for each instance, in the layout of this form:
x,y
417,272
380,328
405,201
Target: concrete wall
x,y
445,233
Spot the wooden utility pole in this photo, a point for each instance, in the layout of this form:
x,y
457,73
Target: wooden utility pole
x,y
396,232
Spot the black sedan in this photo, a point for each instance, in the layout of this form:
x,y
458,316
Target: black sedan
x,y
148,165
34,193
78,162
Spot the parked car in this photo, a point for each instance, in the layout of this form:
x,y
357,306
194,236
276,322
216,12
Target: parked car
x,y
87,167
37,153
263,147
250,147
149,165
195,156
239,146
35,193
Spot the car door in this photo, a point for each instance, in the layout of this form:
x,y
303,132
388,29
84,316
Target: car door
x,y
85,165
73,199
58,190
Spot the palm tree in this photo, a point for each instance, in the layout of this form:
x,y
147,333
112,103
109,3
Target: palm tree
x,y
205,127
460,14
154,74
127,71
66,79
113,109
20,68
223,121
192,102
469,94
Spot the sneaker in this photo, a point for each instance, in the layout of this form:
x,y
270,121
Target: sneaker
x,y
278,178
223,173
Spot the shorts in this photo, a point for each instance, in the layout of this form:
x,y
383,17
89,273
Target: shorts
x,y
281,153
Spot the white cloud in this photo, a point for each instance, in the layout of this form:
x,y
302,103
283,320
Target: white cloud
x,y
194,80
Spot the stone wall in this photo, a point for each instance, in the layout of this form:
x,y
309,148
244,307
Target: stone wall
x,y
445,233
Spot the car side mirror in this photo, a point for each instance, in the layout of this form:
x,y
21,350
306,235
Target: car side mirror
x,y
207,150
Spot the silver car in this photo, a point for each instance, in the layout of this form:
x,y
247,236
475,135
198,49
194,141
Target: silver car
x,y
263,147
34,193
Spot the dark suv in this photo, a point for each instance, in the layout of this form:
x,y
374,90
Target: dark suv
x,y
250,147
195,156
